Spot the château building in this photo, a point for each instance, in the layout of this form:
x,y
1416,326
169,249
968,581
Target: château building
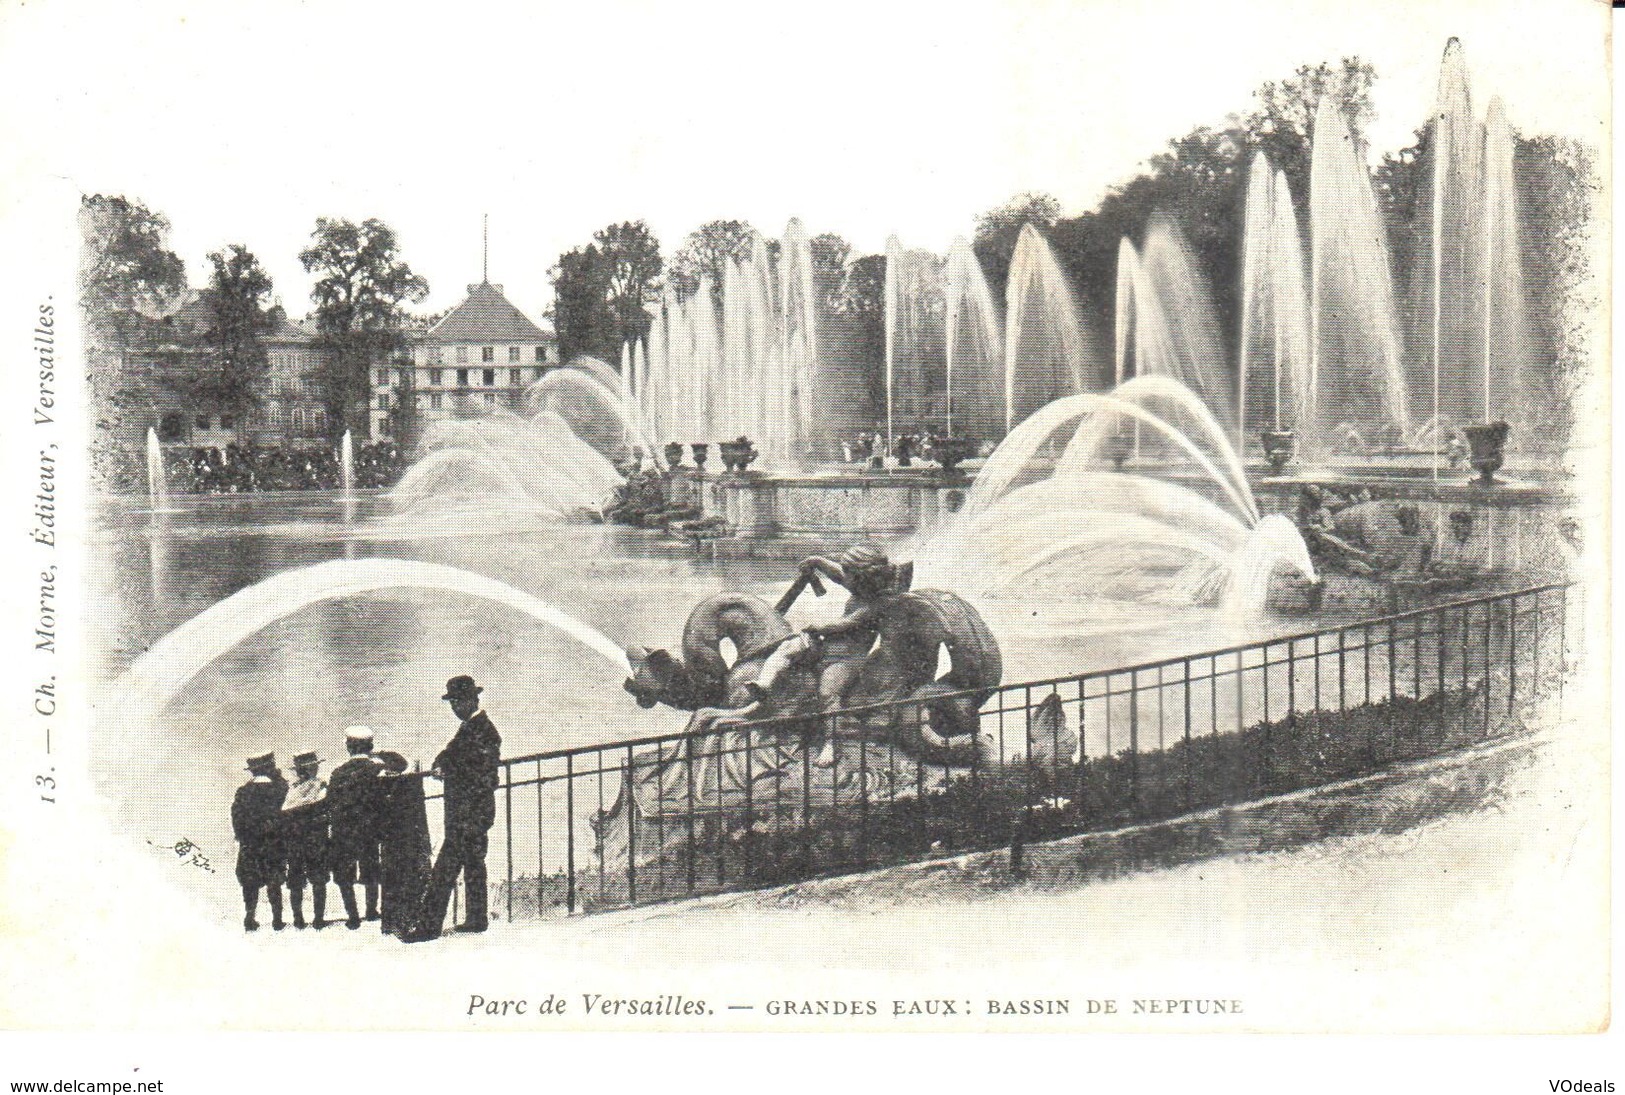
x,y
481,356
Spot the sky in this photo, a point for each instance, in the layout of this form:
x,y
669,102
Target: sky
x,y
244,122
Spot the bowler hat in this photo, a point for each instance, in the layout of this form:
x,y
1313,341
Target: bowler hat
x,y
461,686
302,760
262,765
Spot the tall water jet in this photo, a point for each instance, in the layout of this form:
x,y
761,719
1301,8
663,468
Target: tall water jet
x,y
732,416
894,262
798,330
972,347
1456,145
640,371
1128,270
1354,352
1175,318
1504,332
654,397
157,486
765,388
706,360
347,463
1274,314
1045,355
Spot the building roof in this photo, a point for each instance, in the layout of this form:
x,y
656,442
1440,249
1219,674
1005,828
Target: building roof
x,y
485,315
284,329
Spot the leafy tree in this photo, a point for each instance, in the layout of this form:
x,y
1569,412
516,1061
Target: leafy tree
x,y
127,274
360,291
630,254
1281,123
580,309
829,255
126,267
601,291
861,312
705,252
239,290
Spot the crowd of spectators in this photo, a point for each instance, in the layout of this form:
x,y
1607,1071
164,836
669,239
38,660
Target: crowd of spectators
x,y
240,469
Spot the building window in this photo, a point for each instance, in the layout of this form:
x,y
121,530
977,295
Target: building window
x,y
488,377
514,398
513,354
488,353
298,420
515,378
318,419
202,422
436,355
434,377
490,399
228,421
462,354
462,378
435,401
541,353
383,401
383,376
171,426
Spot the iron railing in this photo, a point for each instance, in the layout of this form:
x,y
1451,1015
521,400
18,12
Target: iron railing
x,y
683,814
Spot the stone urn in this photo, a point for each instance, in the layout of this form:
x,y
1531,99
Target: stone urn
x,y
738,454
1118,448
701,450
674,454
1279,446
948,452
1487,444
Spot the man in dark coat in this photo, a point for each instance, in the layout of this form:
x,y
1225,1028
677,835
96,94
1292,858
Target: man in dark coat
x,y
354,811
468,767
256,821
304,825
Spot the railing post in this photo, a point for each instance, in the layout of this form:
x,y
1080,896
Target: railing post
x,y
806,800
1134,742
1190,760
507,822
1316,659
1342,673
631,829
721,814
745,838
541,861
1540,636
1416,657
1263,780
569,833
1512,653
1439,616
1393,666
693,853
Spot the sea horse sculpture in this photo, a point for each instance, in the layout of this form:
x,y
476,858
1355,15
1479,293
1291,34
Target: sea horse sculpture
x,y
914,628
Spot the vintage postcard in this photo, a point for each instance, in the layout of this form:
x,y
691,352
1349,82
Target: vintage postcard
x,y
1039,516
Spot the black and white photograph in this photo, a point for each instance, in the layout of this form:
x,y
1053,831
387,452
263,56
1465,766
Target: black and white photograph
x,y
1043,517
